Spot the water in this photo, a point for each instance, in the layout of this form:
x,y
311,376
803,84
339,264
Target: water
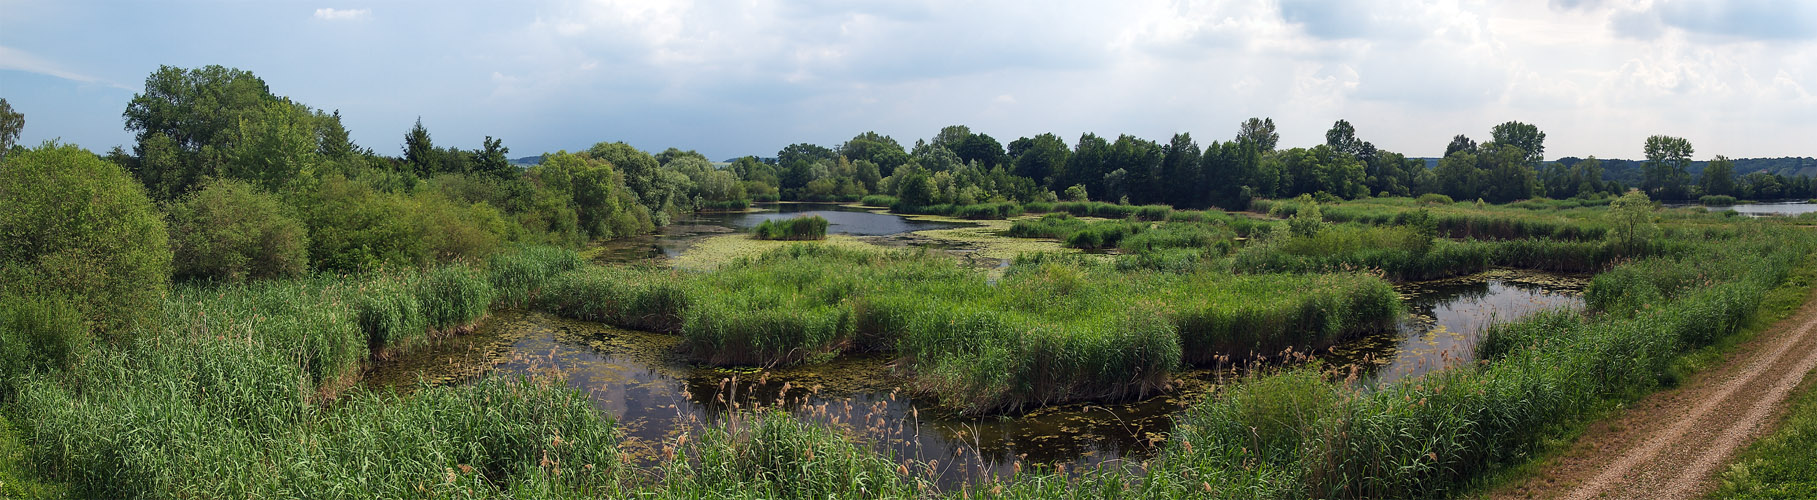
x,y
1776,208
644,381
1446,317
840,219
673,240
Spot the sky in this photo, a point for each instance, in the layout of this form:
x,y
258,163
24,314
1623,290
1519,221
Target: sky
x,y
749,77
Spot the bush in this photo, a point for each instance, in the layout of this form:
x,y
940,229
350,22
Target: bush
x,y
79,227
1717,200
1434,199
796,229
230,231
453,296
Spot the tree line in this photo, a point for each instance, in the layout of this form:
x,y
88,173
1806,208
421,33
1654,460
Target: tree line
x,y
255,184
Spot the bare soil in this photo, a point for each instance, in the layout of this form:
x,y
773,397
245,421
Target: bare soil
x,y
1672,444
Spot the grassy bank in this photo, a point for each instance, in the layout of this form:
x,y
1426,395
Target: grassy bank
x,y
1780,464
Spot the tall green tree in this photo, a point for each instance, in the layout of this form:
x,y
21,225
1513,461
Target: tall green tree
x,y
1041,158
491,159
11,123
1506,175
1666,174
1460,143
881,150
273,147
1719,177
981,148
1525,136
1180,178
419,151
1087,165
1342,138
195,108
1259,132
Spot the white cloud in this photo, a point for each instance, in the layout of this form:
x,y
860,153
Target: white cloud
x,y
19,60
333,14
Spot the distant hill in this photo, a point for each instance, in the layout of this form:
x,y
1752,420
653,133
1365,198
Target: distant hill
x,y
528,160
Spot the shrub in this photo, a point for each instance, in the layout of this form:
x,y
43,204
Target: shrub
x,y
230,231
1434,199
795,229
79,227
1716,200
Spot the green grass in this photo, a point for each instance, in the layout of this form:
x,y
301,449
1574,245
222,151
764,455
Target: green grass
x,y
773,455
796,229
17,479
453,296
220,397
1779,465
517,275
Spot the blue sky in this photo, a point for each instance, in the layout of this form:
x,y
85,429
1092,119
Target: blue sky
x,y
749,77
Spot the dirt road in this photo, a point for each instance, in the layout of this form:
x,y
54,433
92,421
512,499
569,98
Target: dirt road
x,y
1672,444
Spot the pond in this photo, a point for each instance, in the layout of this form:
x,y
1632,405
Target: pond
x,y
675,239
643,381
1775,208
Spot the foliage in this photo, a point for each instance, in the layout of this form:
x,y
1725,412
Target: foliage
x,y
1632,216
11,123
79,228
230,231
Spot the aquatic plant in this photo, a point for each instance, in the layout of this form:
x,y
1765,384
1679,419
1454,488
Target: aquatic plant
x,y
796,229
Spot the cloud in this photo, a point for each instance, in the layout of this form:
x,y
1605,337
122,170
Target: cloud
x,y
333,14
1748,19
19,60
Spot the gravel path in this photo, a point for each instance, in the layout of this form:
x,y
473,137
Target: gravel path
x,y
1672,443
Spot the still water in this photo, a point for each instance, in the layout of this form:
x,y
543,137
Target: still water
x,y
1777,208
677,238
656,394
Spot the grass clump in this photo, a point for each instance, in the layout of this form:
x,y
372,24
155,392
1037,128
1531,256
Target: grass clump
x,y
518,275
877,200
646,299
771,454
795,229
390,313
453,296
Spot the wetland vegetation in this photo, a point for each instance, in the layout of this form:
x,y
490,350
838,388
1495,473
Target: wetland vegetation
x,y
201,317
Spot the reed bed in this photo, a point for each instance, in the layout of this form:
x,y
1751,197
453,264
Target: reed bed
x,y
812,227
517,276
